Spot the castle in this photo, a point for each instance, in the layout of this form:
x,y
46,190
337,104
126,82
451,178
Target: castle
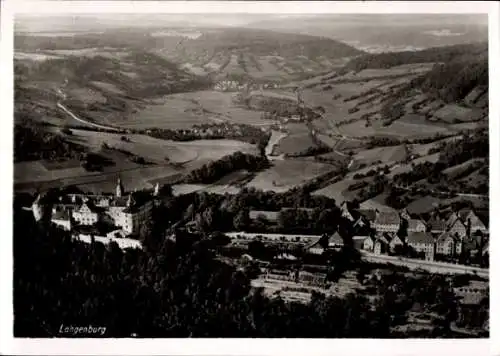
x,y
124,211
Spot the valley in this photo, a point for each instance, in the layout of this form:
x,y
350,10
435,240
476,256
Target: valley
x,y
158,110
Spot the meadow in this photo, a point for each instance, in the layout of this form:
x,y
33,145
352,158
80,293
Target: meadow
x,y
288,173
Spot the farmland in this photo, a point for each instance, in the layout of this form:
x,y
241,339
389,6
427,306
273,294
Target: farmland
x,y
165,158
316,101
286,174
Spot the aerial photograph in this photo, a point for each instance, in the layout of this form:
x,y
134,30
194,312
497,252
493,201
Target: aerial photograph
x,y
251,176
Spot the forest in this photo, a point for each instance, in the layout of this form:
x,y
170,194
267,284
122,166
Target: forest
x,y
32,142
429,55
215,170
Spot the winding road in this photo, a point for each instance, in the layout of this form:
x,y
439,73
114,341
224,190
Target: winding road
x,y
67,111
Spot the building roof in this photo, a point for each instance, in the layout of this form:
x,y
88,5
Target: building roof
x,y
387,218
419,238
436,224
369,214
452,219
384,238
486,248
414,223
444,236
464,213
335,239
457,221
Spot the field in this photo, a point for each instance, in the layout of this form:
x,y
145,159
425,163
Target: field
x,y
337,191
286,174
453,113
182,156
385,154
294,144
182,111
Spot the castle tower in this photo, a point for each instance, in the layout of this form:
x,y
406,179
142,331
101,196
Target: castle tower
x,y
157,189
119,188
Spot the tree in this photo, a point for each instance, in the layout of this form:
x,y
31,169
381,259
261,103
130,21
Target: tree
x,y
242,220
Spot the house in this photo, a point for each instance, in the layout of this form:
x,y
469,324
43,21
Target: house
x,y
315,248
416,225
359,242
312,279
436,225
368,244
451,219
381,244
458,228
474,223
449,245
346,211
422,242
394,242
335,241
387,221
473,304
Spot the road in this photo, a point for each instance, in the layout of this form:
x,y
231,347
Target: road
x,y
467,195
67,111
431,266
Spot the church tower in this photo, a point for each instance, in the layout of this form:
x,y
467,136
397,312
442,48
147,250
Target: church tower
x,y
119,188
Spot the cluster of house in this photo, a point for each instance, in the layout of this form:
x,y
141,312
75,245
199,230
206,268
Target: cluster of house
x,y
122,213
460,231
384,232
233,85
228,85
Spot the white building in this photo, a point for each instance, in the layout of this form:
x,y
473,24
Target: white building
x,y
125,212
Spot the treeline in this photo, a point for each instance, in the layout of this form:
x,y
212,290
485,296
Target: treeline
x,y
429,55
215,170
471,146
33,142
453,81
241,132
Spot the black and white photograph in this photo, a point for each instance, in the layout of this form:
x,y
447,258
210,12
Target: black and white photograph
x,y
250,175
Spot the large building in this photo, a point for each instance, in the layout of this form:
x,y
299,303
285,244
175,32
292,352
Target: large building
x,y
124,211
387,221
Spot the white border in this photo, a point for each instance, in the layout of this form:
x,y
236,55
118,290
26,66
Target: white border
x,y
9,345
